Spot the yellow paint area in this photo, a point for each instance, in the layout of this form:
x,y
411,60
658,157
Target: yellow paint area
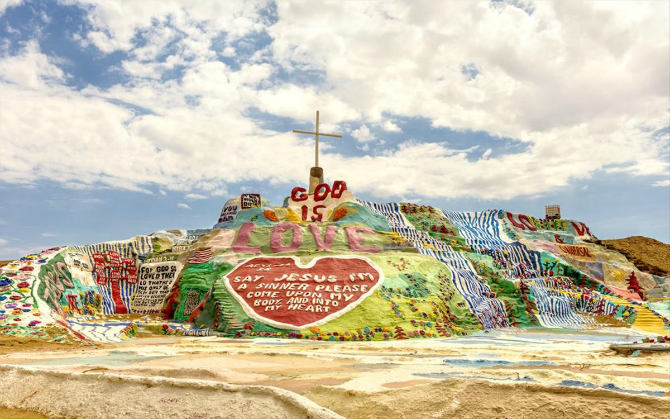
x,y
646,320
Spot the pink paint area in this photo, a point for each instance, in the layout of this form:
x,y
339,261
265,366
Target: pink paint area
x,y
222,239
276,237
326,242
356,240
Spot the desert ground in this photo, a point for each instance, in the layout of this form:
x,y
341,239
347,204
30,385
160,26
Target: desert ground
x,y
499,374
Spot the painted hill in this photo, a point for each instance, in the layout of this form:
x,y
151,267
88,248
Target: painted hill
x,y
327,266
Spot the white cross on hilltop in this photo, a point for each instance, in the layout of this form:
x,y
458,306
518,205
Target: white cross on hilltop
x,y
316,135
316,173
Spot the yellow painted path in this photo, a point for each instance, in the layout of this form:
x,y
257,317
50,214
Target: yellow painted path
x,y
646,320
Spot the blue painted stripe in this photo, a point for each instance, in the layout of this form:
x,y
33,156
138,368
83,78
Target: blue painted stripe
x,y
489,311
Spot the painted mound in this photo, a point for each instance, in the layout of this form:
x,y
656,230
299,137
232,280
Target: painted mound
x,y
330,267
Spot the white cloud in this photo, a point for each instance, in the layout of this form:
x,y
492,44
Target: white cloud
x,y
362,134
183,205
30,68
2,241
583,85
187,30
195,196
390,126
6,4
45,234
162,192
661,183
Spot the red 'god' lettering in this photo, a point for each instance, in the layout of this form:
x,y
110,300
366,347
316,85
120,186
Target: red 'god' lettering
x,y
310,210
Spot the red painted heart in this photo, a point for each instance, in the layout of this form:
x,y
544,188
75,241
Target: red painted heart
x,y
281,292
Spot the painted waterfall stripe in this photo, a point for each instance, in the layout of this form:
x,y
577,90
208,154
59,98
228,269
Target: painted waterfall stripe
x,y
489,311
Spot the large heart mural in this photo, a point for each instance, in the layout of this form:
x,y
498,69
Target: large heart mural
x,y
282,292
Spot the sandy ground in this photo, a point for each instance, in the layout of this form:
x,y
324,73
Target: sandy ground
x,y
11,344
505,374
7,413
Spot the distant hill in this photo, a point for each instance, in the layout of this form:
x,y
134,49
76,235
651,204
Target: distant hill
x,y
647,254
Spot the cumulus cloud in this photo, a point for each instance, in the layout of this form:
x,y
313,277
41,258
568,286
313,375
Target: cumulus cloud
x,y
362,134
582,84
661,183
115,24
183,206
195,196
390,126
6,4
30,69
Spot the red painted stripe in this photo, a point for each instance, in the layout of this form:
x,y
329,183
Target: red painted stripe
x,y
116,296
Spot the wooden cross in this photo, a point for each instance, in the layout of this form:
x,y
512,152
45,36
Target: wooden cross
x,y
317,134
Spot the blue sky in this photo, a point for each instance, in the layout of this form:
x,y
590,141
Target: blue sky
x,y
119,120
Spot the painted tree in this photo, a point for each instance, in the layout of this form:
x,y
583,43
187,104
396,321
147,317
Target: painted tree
x,y
399,333
442,331
523,288
634,285
600,308
510,310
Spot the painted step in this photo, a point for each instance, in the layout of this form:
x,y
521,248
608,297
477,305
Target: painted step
x,y
646,320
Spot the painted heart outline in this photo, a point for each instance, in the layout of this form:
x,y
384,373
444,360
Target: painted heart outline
x,y
367,277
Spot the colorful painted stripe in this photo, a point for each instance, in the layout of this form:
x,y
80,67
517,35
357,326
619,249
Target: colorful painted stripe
x,y
201,256
490,311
